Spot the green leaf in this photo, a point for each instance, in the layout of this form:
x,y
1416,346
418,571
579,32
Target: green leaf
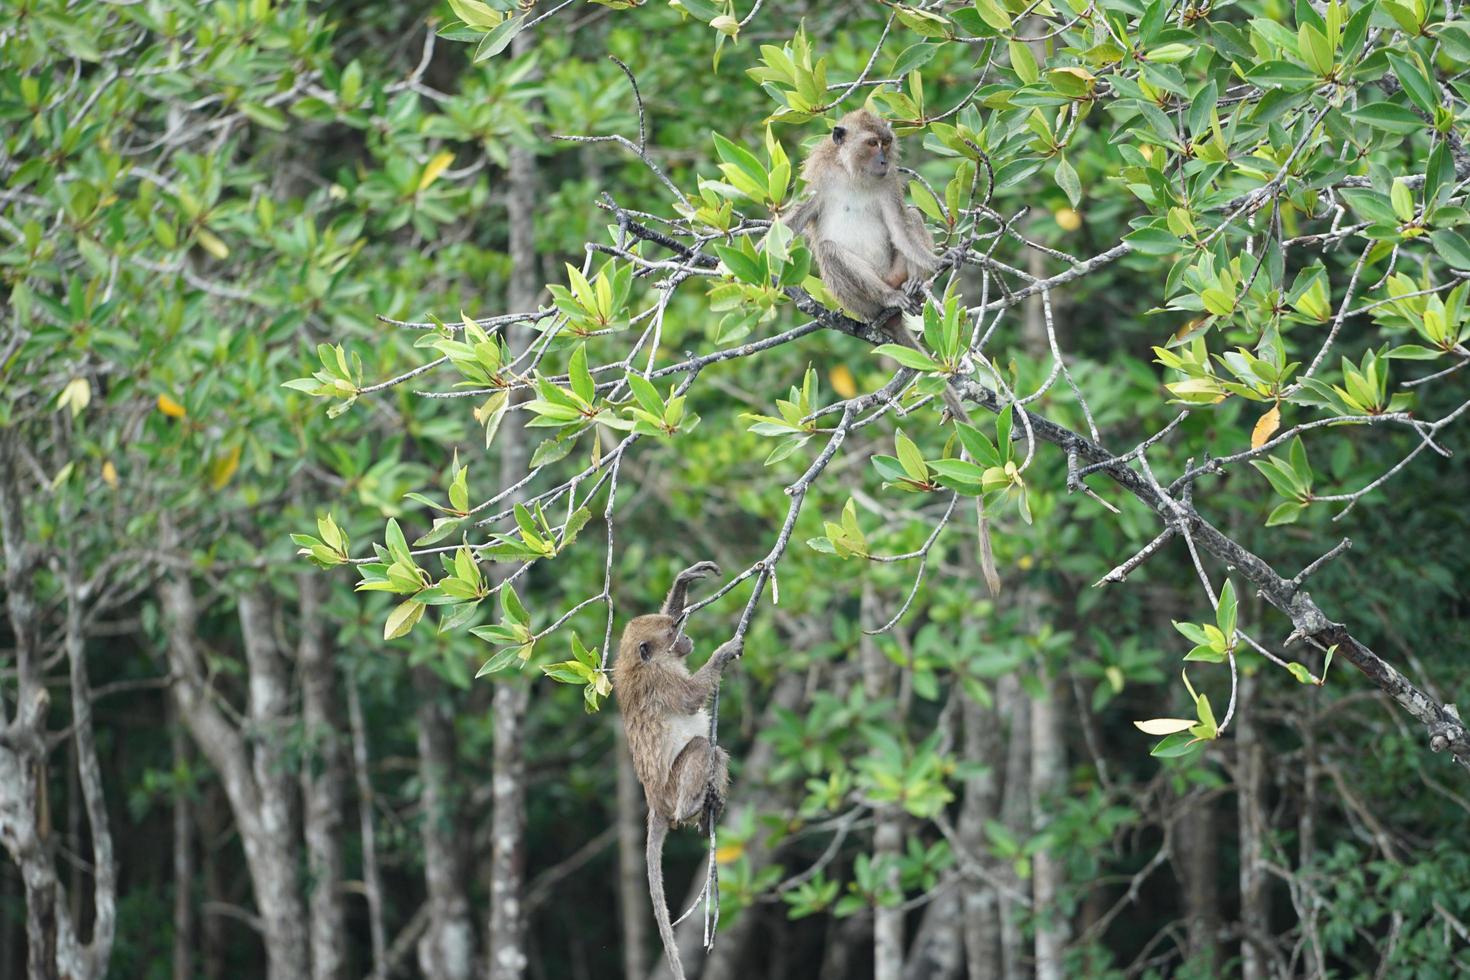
x,y
1068,182
1452,247
907,356
1225,611
1417,85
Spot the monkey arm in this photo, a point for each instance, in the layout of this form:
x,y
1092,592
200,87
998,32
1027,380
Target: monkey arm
x,y
679,594
911,239
858,286
806,213
701,684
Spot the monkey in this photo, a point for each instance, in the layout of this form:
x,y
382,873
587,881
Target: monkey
x,y
869,245
873,251
684,777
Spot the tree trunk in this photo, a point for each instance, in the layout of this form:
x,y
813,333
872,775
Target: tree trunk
x,y
321,786
1015,811
54,949
1255,914
507,930
372,881
888,832
1048,784
447,948
983,743
632,872
1195,857
184,920
265,828
938,950
278,882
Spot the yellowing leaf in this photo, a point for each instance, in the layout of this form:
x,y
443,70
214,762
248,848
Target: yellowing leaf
x,y
212,244
223,468
842,381
171,408
1165,726
76,395
729,853
1266,427
434,168
109,473
402,619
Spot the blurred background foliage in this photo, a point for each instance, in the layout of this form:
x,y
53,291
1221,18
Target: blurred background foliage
x,y
194,197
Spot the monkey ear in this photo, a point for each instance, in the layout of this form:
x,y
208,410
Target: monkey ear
x,y
839,133
643,651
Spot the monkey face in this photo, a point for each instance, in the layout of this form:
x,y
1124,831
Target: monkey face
x,y
868,153
651,637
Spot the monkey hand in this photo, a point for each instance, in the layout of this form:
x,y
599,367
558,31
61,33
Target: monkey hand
x,y
915,292
729,650
699,571
897,301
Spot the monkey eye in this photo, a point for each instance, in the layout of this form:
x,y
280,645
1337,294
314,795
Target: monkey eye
x,y
873,141
643,650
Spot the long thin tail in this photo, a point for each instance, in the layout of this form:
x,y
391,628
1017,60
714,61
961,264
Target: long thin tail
x,y
658,829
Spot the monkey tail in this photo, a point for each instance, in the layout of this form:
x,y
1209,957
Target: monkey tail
x,y
658,829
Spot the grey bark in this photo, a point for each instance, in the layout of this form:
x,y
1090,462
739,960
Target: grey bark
x,y
983,743
888,831
1195,858
1250,784
321,786
54,949
632,892
185,922
262,817
447,948
1015,811
278,885
507,927
938,951
372,880
1048,783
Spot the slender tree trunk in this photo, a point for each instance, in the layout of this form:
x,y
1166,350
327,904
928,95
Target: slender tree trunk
x,y
632,872
184,921
210,816
321,786
447,948
1016,815
263,816
372,881
54,948
508,834
1048,784
278,885
938,949
1255,914
507,930
1196,856
888,833
983,744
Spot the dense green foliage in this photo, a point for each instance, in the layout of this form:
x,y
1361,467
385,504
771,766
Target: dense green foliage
x,y
231,234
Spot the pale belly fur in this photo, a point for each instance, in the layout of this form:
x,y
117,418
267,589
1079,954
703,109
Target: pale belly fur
x,y
859,225
682,731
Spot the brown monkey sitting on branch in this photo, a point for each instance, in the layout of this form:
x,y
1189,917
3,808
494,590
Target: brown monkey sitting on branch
x,y
684,776
873,251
